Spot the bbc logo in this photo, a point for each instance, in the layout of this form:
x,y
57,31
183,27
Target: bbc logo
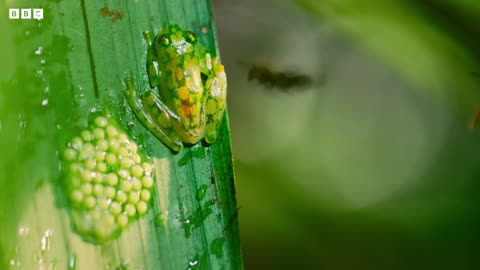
x,y
25,13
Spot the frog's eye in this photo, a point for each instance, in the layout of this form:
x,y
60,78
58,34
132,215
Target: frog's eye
x,y
163,40
190,37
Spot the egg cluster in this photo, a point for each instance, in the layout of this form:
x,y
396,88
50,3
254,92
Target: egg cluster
x,y
109,182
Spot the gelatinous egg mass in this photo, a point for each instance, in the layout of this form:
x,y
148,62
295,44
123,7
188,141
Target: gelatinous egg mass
x,y
109,183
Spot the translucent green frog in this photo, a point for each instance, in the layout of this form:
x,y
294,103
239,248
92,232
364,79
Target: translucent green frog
x,y
192,87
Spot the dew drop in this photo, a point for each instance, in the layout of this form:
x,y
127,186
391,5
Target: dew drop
x,y
216,247
45,241
45,102
72,262
79,92
22,124
39,74
39,256
14,263
39,51
23,230
201,192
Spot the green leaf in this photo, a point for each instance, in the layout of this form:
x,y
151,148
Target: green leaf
x,y
60,71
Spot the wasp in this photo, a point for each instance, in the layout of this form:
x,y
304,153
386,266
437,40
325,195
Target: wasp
x,y
285,81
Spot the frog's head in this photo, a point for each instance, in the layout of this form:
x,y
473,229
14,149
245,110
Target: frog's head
x,y
173,36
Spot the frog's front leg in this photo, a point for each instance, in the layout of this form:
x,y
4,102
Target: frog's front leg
x,y
152,64
154,115
216,86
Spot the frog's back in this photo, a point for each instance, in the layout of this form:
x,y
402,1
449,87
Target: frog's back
x,y
185,96
181,84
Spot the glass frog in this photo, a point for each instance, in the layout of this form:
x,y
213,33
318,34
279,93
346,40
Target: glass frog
x,y
192,90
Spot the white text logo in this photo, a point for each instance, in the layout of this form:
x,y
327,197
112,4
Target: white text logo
x,y
25,13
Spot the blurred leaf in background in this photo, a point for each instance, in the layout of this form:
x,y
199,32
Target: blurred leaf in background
x,y
374,169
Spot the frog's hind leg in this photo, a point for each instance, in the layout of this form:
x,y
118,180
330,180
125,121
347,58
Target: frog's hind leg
x,y
154,115
152,64
216,101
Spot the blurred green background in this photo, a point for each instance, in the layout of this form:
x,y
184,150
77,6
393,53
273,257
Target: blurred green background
x,y
374,166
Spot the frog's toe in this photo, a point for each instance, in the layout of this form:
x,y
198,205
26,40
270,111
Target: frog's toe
x,y
210,139
211,133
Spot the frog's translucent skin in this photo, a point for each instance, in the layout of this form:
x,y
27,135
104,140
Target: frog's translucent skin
x,y
108,182
192,89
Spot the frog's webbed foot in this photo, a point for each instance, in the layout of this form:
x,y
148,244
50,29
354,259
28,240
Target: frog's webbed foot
x,y
216,100
154,115
152,64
